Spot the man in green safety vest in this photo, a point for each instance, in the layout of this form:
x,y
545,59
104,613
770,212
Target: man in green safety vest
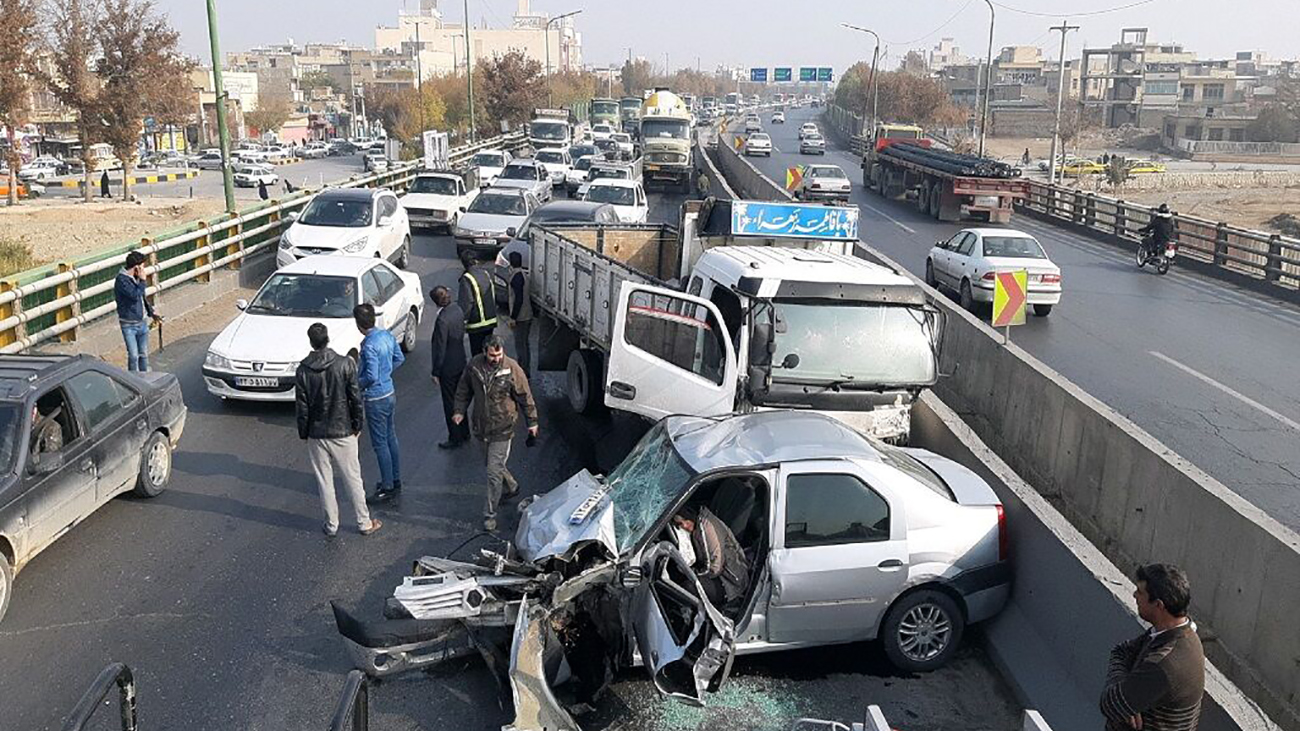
x,y
478,300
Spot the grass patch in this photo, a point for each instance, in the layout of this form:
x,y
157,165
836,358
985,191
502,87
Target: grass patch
x,y
15,256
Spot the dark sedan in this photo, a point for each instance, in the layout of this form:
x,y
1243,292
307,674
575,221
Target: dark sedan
x,y
75,432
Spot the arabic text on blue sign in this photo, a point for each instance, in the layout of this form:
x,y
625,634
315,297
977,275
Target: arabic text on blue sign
x,y
825,74
782,74
753,218
807,73
758,74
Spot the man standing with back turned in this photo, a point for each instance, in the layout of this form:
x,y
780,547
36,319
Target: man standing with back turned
x,y
478,300
521,312
328,405
448,348
379,357
1156,680
498,388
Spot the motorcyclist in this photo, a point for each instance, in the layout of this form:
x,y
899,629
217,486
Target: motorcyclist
x,y
1158,231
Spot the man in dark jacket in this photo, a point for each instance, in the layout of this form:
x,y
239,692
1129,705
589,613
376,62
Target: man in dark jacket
x,y
1156,680
1160,228
521,312
328,405
719,560
478,300
498,389
448,348
132,307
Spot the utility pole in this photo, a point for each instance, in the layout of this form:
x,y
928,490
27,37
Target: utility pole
x,y
1060,92
223,133
419,77
875,86
469,76
988,82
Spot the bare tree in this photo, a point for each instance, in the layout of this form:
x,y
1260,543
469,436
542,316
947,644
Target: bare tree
x,y
137,48
74,46
18,40
172,96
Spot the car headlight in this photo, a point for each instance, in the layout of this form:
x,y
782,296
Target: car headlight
x,y
357,245
285,243
216,360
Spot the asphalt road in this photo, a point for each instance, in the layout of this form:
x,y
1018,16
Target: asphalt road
x,y
1206,367
217,592
308,173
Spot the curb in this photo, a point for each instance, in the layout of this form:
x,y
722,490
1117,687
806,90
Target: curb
x,y
135,180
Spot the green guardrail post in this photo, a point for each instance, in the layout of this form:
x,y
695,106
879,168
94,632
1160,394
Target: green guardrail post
x,y
70,311
155,277
8,310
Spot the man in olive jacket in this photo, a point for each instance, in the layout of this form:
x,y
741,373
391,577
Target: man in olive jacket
x,y
330,416
498,389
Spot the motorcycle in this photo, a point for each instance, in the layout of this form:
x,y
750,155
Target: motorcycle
x,y
1147,254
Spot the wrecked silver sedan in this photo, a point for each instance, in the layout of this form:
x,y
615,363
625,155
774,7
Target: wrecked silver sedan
x,y
841,538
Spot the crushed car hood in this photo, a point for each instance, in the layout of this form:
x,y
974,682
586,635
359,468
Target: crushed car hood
x,y
578,511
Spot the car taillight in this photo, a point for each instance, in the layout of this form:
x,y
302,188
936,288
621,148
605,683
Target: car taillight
x,y
989,276
1051,279
1004,540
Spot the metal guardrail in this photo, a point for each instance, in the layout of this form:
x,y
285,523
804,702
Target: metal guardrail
x,y
115,674
353,711
55,301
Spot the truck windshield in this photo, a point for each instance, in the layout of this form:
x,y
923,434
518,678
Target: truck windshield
x,y
863,345
644,484
549,131
677,129
601,109
435,186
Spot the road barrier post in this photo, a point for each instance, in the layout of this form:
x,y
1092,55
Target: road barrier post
x,y
1121,220
1076,208
232,231
1273,266
1220,244
1090,210
10,309
71,310
205,259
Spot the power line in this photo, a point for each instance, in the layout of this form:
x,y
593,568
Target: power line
x,y
945,24
1036,13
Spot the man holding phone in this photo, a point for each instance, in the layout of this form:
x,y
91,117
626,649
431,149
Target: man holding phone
x,y
132,308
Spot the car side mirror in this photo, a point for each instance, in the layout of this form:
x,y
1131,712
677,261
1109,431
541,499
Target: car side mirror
x,y
385,220
462,209
241,304
511,232
293,215
45,463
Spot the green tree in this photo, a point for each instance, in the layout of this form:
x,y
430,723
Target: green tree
x,y
137,48
19,31
1275,123
512,87
406,113
74,46
271,114
316,80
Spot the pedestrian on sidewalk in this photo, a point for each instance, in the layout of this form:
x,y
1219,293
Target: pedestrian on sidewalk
x,y
521,312
448,348
478,300
328,404
498,390
378,358
1156,680
103,186
261,190
132,308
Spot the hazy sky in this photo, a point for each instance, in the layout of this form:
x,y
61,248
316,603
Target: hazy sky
x,y
775,32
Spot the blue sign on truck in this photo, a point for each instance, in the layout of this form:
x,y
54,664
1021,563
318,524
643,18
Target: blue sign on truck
x,y
792,220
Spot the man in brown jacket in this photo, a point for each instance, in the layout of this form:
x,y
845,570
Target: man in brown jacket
x,y
1156,680
498,389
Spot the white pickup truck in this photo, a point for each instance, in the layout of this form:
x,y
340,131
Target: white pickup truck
x,y
751,305
436,198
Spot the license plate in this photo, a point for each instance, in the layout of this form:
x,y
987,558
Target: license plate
x,y
485,242
255,382
652,168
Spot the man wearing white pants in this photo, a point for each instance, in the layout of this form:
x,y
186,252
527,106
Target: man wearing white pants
x,y
330,417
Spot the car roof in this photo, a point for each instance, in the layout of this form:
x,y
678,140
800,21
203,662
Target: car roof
x,y
520,162
513,192
585,209
765,437
19,373
329,265
615,183
1005,232
349,194
826,167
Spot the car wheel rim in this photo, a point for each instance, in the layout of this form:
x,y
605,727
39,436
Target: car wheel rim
x,y
160,463
924,632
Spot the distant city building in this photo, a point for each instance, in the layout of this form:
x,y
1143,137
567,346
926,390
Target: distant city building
x,y
945,54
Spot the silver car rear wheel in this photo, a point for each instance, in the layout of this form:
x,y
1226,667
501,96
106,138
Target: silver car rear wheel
x,y
921,631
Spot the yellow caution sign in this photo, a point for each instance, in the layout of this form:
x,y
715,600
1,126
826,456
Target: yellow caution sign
x,y
793,177
740,142
1010,291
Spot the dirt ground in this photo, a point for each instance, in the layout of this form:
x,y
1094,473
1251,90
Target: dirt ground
x,y
62,230
1250,208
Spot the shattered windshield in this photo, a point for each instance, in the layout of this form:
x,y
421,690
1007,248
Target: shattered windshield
x,y
643,486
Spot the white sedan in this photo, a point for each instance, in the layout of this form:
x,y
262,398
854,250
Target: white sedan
x,y
627,197
349,221
557,164
250,175
968,264
602,131
490,163
256,355
758,143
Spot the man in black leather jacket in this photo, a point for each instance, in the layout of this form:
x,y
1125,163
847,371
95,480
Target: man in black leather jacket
x,y
330,417
1160,228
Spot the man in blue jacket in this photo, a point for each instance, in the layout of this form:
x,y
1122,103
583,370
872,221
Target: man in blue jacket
x,y
132,307
379,357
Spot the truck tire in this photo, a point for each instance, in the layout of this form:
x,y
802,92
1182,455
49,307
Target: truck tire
x,y
583,382
923,197
936,199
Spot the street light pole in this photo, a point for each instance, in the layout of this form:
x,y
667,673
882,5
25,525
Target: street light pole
x,y
875,86
1060,91
223,132
469,78
988,82
547,43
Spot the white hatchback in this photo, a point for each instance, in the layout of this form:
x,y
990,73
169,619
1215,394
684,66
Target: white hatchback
x,y
256,355
350,221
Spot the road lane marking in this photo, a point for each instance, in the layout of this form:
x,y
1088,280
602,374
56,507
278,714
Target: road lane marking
x,y
889,218
1228,390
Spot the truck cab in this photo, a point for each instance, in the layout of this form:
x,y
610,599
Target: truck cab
x,y
550,128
